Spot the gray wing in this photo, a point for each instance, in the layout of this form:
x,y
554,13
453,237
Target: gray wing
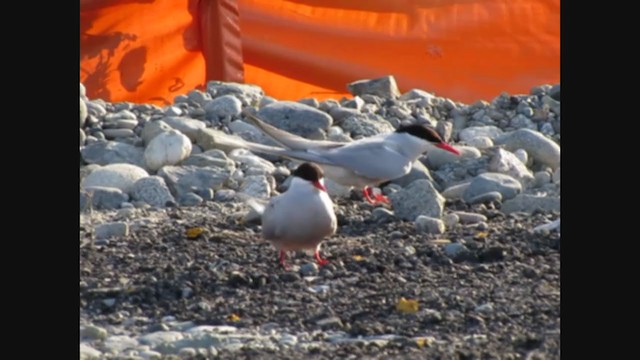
x,y
374,159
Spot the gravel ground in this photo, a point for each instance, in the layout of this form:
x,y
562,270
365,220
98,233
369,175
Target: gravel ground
x,y
499,298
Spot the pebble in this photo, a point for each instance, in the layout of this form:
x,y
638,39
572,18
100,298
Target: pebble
x,y
382,215
154,128
480,142
101,198
539,147
118,343
152,190
112,229
227,105
507,163
450,220
185,125
418,171
455,191
83,112
93,332
168,148
470,218
119,176
190,199
309,269
296,118
184,179
366,125
256,186
489,197
429,225
112,152
542,178
436,158
507,186
89,353
419,198
384,87
470,133
530,203
224,195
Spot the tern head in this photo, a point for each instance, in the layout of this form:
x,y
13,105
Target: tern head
x,y
427,134
311,173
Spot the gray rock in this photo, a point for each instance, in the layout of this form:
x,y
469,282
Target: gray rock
x,y
489,197
309,269
332,322
522,155
190,199
89,353
253,164
112,229
295,118
537,146
556,176
507,186
548,227
152,190
455,191
327,105
506,162
227,105
174,110
436,158
382,215
336,133
445,130
83,113
249,95
417,94
418,171
450,220
542,178
95,108
554,93
429,225
168,148
355,103
419,198
366,125
310,102
118,343
112,152
551,103
480,142
250,133
256,186
118,133
266,100
469,133
185,179
101,198
150,355
547,129
336,190
159,339
120,115
454,250
152,129
126,124
211,158
120,176
470,218
384,87
199,97
339,114
83,137
522,122
185,125
93,332
529,203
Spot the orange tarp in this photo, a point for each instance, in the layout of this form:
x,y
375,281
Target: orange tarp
x,y
151,51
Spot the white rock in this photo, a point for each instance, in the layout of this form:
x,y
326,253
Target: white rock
x,y
256,186
120,176
112,229
506,162
522,155
185,125
336,190
480,142
254,164
469,133
450,220
227,105
152,190
539,147
168,148
456,191
470,218
419,198
152,129
439,157
429,225
118,343
89,353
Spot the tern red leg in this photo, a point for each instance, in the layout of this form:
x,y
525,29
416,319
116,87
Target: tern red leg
x,y
283,256
320,260
374,198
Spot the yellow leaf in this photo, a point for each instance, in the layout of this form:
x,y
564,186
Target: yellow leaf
x,y
423,341
194,232
234,317
482,234
407,306
358,257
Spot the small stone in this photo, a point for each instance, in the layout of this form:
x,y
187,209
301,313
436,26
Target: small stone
x,y
101,198
309,269
310,102
89,353
339,113
429,225
355,103
227,105
187,353
556,176
530,203
522,155
256,186
366,125
160,340
113,229
199,97
480,142
537,145
168,148
492,132
470,218
542,178
152,190
213,158
289,277
126,124
450,220
494,253
255,165
507,163
436,158
224,195
110,302
384,87
119,176
417,94
418,171
523,122
454,250
419,198
112,152
547,129
455,191
382,215
333,322
150,355
190,199
487,182
554,93
118,133
295,118
185,125
93,332
553,105
154,128
183,179
489,197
